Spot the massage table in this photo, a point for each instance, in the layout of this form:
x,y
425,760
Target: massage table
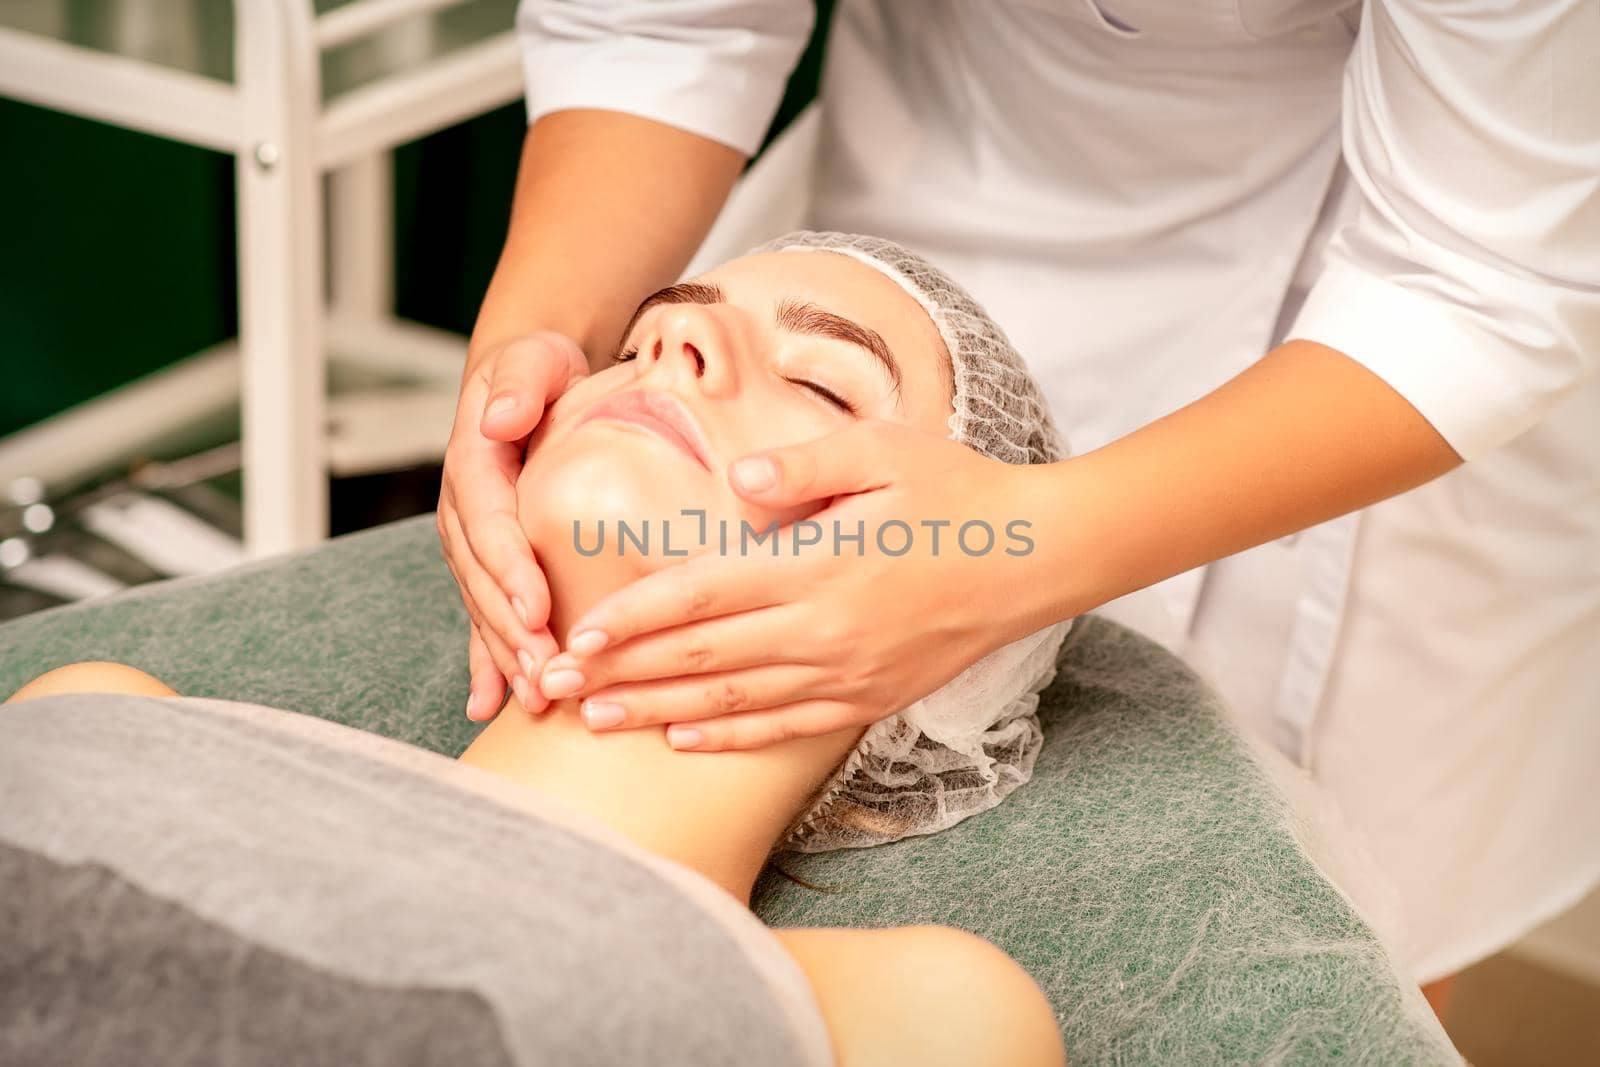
x,y
1153,876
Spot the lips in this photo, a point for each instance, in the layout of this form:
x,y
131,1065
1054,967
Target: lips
x,y
660,413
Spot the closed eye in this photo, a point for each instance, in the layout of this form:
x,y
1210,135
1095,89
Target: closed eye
x,y
827,394
628,354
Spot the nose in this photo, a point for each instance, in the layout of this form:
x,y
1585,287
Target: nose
x,y
696,344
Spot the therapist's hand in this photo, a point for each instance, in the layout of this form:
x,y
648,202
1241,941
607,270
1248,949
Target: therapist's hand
x,y
503,396
744,651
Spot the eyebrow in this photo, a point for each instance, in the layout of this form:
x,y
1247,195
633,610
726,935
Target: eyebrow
x,y
793,315
798,317
682,293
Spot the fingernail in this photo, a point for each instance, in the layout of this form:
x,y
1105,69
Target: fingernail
x,y
502,404
561,683
683,736
519,686
587,643
521,609
525,661
601,714
472,705
756,473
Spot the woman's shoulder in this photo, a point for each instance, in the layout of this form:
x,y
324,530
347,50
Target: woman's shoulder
x,y
926,995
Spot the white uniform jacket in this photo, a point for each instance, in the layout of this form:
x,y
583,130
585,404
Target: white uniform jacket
x,y
1149,194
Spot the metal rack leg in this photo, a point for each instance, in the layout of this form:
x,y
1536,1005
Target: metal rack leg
x,y
361,238
281,279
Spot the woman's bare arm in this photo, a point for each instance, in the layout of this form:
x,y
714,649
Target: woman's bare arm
x,y
609,207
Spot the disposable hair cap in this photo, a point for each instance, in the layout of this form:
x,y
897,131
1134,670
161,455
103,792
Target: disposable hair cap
x,y
963,748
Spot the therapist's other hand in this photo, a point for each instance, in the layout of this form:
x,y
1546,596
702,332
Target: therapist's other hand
x,y
807,643
503,396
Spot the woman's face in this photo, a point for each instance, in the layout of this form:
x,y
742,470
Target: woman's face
x,y
764,351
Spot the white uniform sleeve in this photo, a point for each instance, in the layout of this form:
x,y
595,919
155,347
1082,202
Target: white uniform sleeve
x,y
1470,279
717,68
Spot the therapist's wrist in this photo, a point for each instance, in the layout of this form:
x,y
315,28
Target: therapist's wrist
x,y
1033,579
1072,568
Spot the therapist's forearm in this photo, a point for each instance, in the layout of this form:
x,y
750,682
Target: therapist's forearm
x,y
1302,436
609,207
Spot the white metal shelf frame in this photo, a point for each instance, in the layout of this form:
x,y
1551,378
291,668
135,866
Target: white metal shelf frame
x,y
284,138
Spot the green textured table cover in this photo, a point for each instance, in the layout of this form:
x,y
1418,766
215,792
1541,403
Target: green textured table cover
x,y
1147,876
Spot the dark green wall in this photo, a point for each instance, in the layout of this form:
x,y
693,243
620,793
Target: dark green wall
x,y
117,249
116,257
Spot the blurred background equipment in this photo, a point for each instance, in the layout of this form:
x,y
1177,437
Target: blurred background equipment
x,y
309,99
129,263
162,521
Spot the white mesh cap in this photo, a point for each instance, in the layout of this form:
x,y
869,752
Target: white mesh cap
x,y
963,748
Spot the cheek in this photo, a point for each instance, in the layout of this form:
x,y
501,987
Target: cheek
x,y
570,485
784,420
558,417
581,478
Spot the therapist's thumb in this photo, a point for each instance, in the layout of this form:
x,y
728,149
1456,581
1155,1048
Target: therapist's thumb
x,y
525,375
852,460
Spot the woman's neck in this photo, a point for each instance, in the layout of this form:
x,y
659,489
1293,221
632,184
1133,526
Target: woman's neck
x,y
718,813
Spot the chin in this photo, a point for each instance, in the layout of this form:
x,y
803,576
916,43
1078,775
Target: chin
x,y
632,483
